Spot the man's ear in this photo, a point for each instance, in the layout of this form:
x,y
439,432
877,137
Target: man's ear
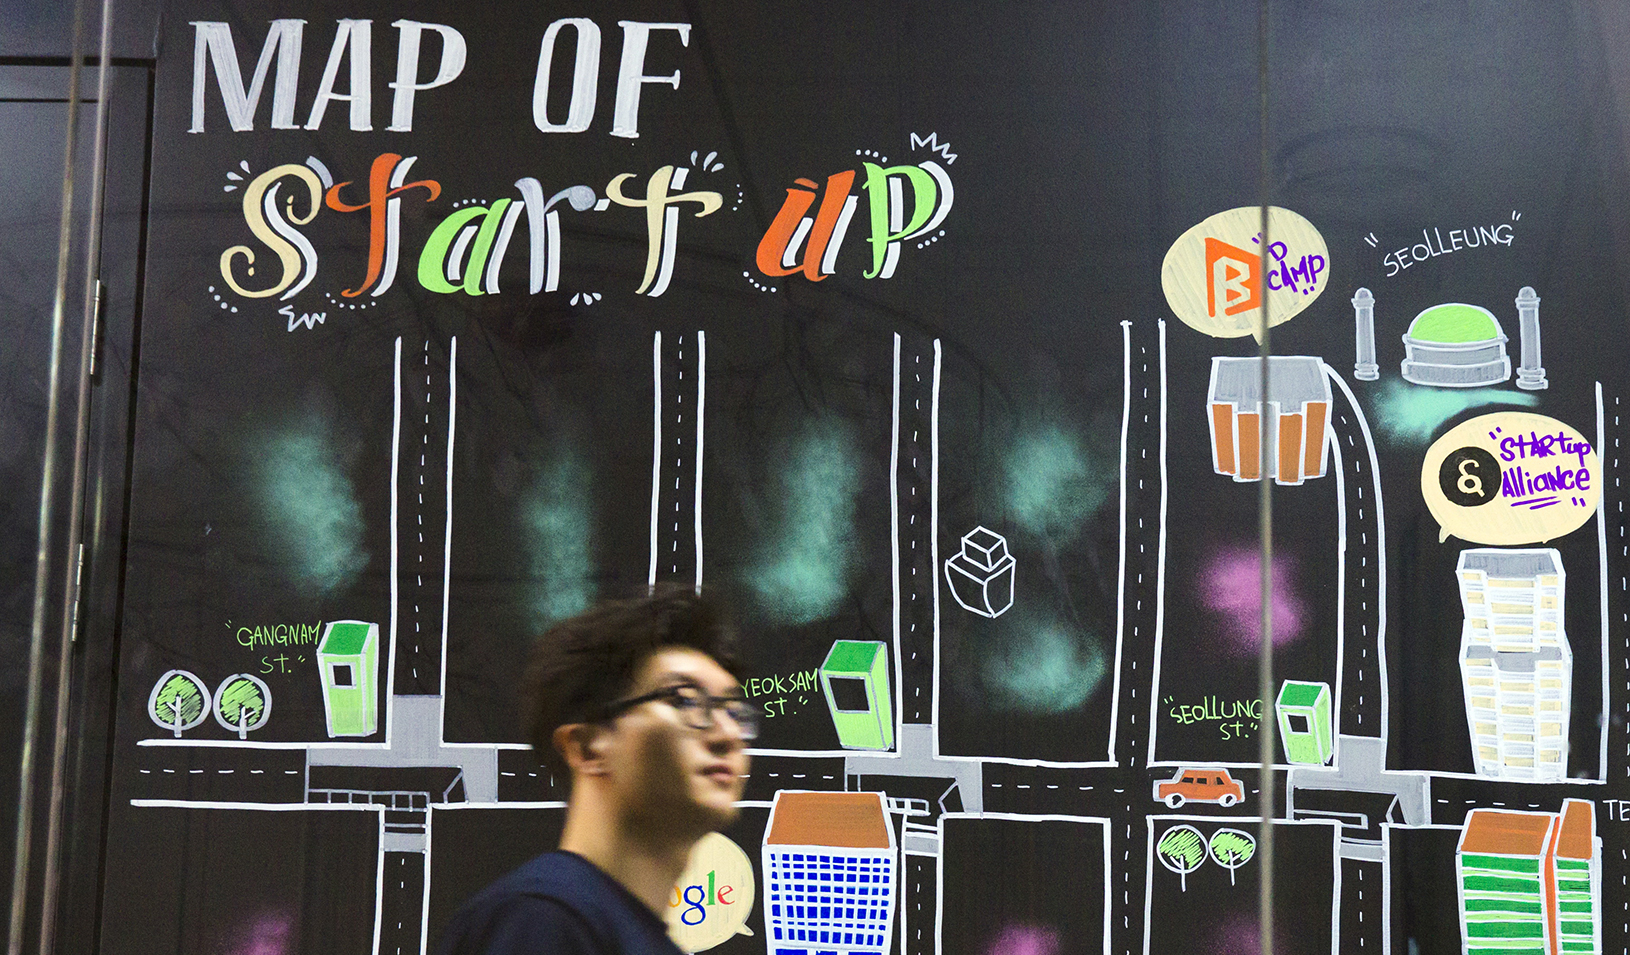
x,y
579,744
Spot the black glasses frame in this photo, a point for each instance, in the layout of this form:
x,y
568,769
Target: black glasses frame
x,y
695,707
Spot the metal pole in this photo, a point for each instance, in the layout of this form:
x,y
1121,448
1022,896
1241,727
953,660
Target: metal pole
x,y
42,558
74,567
1265,521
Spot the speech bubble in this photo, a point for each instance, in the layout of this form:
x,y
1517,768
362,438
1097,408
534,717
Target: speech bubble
x,y
1210,275
714,895
1511,477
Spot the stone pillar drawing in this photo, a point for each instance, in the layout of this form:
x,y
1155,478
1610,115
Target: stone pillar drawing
x,y
1530,374
1365,368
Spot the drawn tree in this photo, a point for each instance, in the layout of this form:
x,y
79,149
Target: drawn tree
x,y
1231,849
179,701
242,704
1182,849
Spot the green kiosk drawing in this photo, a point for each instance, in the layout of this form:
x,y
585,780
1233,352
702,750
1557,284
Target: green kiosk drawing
x,y
855,679
348,660
1303,711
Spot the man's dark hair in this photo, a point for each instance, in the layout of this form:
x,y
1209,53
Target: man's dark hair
x,y
584,664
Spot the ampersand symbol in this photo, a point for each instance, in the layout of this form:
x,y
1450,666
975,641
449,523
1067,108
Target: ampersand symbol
x,y
1470,477
1469,483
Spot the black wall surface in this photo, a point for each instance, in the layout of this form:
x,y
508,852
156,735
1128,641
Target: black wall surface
x,y
334,422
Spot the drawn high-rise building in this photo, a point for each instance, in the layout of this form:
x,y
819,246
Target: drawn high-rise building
x,y
1577,916
829,874
1295,423
1515,663
1530,882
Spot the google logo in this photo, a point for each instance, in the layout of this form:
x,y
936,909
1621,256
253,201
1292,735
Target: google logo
x,y
713,896
708,896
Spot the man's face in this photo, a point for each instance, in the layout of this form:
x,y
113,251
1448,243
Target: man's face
x,y
667,774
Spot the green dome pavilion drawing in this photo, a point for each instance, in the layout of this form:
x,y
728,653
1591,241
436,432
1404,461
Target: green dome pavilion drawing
x,y
1455,345
1454,324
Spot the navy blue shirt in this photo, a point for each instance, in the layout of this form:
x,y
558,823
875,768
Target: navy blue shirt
x,y
556,904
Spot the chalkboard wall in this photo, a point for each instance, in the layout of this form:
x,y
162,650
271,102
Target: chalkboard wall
x,y
924,335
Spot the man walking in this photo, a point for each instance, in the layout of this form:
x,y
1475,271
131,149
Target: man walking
x,y
638,703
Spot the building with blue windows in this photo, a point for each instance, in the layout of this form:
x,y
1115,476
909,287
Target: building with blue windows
x,y
829,874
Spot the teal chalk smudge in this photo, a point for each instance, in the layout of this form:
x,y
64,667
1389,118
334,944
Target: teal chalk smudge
x,y
1048,669
556,514
1054,483
804,574
1411,414
311,507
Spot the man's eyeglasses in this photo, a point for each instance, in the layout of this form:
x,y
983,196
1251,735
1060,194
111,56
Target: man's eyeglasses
x,y
695,708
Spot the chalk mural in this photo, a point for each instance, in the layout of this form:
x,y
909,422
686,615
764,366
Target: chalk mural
x,y
469,323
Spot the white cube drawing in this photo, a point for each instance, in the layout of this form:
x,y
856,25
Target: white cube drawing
x,y
981,574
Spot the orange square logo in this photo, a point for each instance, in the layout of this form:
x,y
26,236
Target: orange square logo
x,y
1231,273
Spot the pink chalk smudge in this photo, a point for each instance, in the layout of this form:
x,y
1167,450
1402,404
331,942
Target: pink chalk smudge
x,y
268,933
1238,935
1025,940
1231,586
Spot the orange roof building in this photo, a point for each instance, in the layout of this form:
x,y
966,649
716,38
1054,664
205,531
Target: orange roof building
x,y
1530,882
829,874
1294,423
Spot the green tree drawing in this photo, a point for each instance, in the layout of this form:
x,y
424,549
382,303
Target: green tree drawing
x,y
242,704
179,701
1231,849
1182,849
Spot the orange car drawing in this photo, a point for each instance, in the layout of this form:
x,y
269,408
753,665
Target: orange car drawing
x,y
1199,785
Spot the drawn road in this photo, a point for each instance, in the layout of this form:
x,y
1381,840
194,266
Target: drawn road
x,y
1142,574
221,775
917,367
401,908
1616,578
1363,586
922,905
1363,924
679,360
1615,878
424,433
1143,536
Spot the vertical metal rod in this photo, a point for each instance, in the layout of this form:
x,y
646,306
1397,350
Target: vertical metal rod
x,y
73,581
1265,739
42,558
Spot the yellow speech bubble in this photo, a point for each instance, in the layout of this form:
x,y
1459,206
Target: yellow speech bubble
x,y
1211,273
1511,477
714,895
